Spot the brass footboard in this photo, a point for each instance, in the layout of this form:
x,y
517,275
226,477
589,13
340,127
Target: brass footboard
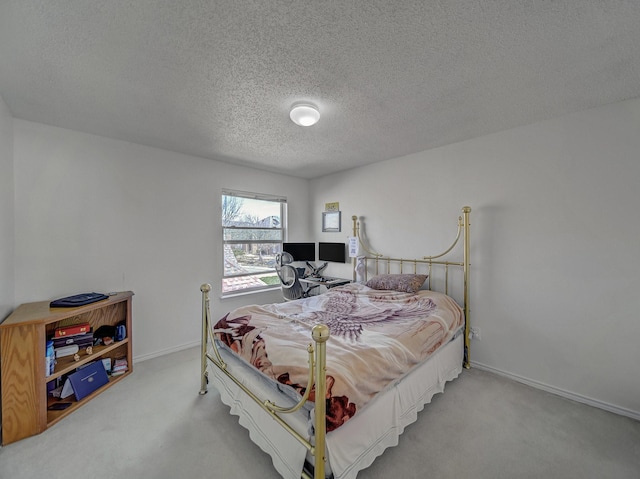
x,y
317,375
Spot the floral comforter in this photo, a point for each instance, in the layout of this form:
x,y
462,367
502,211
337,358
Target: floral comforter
x,y
376,337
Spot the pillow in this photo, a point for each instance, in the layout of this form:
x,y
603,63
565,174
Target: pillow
x,y
404,283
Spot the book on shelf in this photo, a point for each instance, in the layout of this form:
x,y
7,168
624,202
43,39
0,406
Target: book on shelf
x,y
106,362
72,329
82,340
87,379
66,351
119,367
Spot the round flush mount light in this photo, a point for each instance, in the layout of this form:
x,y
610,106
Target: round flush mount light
x,y
304,114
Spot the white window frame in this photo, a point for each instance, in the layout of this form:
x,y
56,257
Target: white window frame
x,y
227,284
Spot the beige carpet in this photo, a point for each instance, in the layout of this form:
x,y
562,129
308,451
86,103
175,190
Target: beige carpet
x,y
155,425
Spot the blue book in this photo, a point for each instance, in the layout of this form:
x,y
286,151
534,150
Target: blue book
x,y
88,379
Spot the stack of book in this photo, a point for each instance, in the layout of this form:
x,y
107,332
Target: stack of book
x,y
120,366
68,340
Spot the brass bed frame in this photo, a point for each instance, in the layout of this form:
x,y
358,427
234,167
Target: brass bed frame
x,y
320,334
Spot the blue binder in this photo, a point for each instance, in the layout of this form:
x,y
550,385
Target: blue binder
x,y
88,379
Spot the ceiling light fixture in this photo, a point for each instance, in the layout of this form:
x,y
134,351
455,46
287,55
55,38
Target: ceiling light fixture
x,y
304,114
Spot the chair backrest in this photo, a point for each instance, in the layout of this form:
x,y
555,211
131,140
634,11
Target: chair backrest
x,y
291,287
283,258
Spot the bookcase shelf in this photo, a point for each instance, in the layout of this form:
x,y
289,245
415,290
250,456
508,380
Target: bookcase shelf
x,y
68,364
23,336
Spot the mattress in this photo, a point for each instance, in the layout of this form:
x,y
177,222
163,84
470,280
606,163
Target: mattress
x,y
377,336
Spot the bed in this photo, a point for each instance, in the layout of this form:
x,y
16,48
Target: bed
x,y
378,348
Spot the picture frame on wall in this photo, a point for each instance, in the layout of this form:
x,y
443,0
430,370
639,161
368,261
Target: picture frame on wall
x,y
331,221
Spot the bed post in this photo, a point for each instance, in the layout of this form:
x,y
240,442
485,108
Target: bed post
x,y
466,210
354,260
320,334
205,288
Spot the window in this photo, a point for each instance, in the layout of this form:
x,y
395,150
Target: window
x,y
253,229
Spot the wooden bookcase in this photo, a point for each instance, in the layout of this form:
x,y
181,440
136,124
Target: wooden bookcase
x,y
23,337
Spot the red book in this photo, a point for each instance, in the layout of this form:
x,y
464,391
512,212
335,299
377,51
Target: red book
x,y
80,328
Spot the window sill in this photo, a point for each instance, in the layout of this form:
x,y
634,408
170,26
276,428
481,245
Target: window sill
x,y
237,294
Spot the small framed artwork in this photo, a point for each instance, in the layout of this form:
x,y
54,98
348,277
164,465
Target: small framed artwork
x,y
335,206
331,221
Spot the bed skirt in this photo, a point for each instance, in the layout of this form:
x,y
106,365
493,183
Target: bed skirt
x,y
355,445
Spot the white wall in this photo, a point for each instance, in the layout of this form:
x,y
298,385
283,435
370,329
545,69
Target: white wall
x,y
554,237
6,212
94,214
554,240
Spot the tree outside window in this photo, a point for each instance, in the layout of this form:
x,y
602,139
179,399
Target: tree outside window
x,y
253,228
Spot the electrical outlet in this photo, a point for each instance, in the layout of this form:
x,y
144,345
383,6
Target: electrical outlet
x,y
474,333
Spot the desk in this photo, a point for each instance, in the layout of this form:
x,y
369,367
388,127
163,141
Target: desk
x,y
326,281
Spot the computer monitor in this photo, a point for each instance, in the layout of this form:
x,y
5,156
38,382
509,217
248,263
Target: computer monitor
x,y
300,251
334,252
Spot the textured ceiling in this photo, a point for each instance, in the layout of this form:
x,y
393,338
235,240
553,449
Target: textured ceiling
x,y
216,78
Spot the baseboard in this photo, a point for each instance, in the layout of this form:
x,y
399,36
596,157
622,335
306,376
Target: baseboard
x,y
164,352
560,392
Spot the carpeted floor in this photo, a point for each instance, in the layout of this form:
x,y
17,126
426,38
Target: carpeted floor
x,y
154,424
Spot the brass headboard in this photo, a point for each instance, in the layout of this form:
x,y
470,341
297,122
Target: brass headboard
x,y
381,264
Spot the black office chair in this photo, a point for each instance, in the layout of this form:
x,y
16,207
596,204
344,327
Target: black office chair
x,y
290,279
